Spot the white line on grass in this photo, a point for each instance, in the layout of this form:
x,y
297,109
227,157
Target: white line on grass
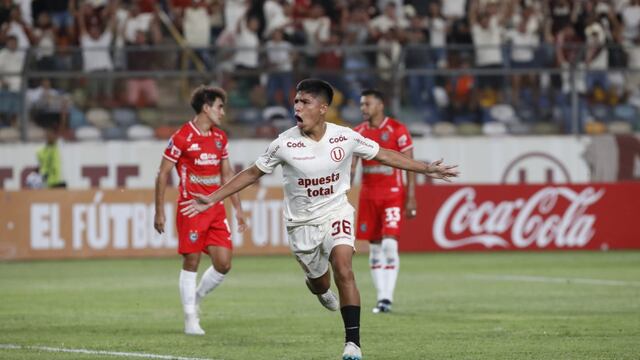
x,y
544,279
97,352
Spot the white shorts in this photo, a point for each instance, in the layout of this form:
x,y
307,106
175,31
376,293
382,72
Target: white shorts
x,y
312,244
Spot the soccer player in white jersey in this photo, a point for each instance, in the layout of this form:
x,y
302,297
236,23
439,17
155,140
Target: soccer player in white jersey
x,y
316,162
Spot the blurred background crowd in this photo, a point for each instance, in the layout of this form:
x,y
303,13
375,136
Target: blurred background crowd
x,y
98,69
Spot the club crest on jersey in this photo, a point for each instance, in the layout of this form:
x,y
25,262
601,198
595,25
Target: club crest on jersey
x,y
193,236
219,144
384,136
337,154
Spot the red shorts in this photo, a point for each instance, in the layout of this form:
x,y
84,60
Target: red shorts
x,y
209,228
379,217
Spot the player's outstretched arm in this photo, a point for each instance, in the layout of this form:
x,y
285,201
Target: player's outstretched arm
x,y
226,174
202,202
436,169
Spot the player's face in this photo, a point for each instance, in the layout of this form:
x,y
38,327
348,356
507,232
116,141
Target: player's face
x,y
215,112
309,110
371,107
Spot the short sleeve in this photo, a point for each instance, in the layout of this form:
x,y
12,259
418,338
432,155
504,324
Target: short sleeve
x,y
225,147
364,148
271,158
404,139
174,148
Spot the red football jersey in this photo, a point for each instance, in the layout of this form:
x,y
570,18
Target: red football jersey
x,y
198,158
391,134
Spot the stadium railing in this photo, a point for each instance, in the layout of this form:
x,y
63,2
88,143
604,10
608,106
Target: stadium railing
x,y
425,87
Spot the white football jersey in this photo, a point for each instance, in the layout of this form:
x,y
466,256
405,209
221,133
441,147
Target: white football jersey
x,y
317,175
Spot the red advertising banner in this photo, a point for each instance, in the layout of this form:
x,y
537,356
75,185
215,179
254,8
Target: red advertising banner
x,y
524,217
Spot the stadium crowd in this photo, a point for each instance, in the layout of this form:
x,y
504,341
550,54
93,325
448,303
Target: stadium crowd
x,y
457,62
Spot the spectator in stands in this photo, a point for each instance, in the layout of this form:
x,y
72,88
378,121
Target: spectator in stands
x,y
196,26
568,54
460,89
487,27
454,10
355,28
275,17
142,91
26,12
418,57
246,59
135,20
524,43
49,107
280,57
438,29
11,61
630,14
16,27
388,54
387,21
562,13
330,62
61,12
317,29
597,54
96,43
44,41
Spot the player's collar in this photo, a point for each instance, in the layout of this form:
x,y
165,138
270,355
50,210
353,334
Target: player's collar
x,y
382,124
326,129
195,128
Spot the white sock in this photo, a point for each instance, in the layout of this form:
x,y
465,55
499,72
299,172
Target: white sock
x,y
209,281
188,291
376,264
391,267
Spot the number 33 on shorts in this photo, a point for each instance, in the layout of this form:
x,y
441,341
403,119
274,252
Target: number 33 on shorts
x,y
392,217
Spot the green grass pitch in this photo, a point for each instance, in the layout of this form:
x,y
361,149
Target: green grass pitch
x,y
448,306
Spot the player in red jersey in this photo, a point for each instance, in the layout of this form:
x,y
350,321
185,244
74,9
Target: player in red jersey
x,y
383,197
198,150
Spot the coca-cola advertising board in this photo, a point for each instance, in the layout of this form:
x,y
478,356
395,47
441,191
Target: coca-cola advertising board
x,y
524,217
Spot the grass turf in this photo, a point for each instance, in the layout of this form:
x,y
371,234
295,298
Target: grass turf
x,y
448,306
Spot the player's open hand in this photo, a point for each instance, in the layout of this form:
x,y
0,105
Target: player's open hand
x,y
194,206
438,170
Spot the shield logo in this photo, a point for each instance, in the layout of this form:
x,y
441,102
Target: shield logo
x,y
193,236
363,227
219,144
384,136
337,154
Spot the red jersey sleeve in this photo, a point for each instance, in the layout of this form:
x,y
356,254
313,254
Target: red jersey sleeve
x,y
174,148
225,146
404,138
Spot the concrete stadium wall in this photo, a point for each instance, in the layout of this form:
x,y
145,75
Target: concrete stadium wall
x,y
482,160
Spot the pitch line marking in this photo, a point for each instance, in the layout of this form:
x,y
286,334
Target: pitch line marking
x,y
544,279
98,352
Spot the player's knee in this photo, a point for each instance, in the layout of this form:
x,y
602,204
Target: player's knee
x,y
390,248
375,254
223,267
190,263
